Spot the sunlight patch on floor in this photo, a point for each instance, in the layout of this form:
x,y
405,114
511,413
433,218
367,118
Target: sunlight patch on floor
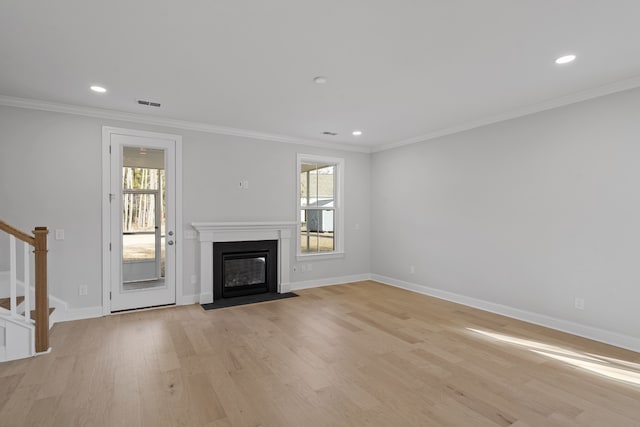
x,y
621,374
609,367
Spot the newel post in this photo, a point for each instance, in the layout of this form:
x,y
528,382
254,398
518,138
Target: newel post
x,y
42,294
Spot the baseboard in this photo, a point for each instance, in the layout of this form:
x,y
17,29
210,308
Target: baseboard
x,y
206,298
91,312
590,332
78,314
189,299
307,284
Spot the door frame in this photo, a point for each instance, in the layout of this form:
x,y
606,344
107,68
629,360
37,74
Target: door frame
x,y
107,131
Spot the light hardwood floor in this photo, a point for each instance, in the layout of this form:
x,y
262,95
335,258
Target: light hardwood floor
x,y
360,354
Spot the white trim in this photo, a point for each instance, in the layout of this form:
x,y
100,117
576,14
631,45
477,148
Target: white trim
x,y
19,338
106,221
80,313
179,227
319,256
208,229
190,299
603,90
590,332
211,232
43,352
330,281
107,131
35,104
338,203
56,107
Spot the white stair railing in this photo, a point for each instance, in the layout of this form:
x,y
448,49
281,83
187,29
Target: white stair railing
x,y
13,282
27,281
12,276
41,303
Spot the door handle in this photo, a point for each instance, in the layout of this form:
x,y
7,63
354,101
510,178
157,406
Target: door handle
x,y
170,242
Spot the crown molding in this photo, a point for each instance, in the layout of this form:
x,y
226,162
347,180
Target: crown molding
x,y
35,104
573,98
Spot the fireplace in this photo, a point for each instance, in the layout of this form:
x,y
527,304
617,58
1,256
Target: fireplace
x,y
210,233
244,268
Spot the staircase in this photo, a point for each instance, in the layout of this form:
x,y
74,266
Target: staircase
x,y
24,326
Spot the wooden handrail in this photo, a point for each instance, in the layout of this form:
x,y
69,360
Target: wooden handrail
x,y
39,242
17,233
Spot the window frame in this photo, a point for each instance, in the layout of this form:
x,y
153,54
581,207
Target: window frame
x,y
338,202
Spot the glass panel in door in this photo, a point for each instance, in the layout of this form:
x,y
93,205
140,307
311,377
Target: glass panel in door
x,y
143,219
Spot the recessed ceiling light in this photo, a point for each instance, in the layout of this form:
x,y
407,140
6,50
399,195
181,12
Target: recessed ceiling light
x,y
98,89
320,80
565,59
356,133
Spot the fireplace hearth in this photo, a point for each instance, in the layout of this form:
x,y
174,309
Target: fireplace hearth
x,y
244,268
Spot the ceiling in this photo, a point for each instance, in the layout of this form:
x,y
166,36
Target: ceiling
x,y
400,71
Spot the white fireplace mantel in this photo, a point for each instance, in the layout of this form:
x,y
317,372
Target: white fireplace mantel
x,y
212,232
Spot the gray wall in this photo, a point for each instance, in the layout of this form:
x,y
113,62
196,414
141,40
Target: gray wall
x,y
50,174
529,213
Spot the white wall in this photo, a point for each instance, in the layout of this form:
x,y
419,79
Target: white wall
x,y
50,174
528,213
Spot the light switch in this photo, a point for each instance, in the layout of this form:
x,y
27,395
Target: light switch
x,y
59,234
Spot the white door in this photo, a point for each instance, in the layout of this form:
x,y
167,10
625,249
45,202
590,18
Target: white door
x,y
142,221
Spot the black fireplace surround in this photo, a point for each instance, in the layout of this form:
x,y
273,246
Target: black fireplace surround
x,y
244,268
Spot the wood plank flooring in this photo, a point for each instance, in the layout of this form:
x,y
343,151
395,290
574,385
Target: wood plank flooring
x,y
359,354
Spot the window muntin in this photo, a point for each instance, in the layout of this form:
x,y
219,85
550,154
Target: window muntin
x,y
319,205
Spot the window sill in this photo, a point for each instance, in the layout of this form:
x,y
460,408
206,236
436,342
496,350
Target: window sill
x,y
319,256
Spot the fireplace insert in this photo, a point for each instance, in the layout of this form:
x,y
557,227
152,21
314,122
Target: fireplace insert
x,y
244,268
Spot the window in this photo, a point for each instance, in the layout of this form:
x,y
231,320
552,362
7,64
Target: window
x,y
320,205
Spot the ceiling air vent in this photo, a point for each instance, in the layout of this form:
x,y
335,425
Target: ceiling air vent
x,y
148,103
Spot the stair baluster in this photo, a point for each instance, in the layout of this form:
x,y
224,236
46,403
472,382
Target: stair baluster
x,y
12,276
27,282
41,304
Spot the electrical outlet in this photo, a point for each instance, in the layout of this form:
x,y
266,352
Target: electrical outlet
x,y
190,234
245,184
194,279
60,234
302,268
412,269
83,290
309,267
579,303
